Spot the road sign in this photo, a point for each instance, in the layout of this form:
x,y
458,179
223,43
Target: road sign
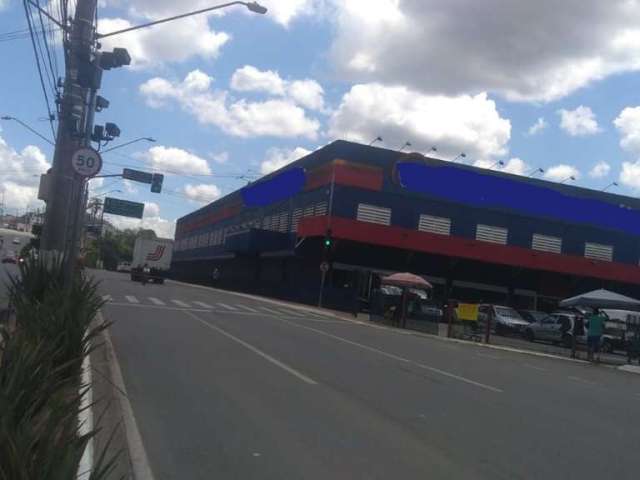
x,y
137,175
124,208
324,267
86,162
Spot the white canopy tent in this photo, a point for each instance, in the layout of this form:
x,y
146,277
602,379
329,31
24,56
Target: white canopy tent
x,y
602,299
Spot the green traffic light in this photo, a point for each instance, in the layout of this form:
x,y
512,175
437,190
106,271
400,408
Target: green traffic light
x,y
327,243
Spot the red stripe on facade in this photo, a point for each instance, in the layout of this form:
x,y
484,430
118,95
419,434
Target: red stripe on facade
x,y
346,173
389,236
208,219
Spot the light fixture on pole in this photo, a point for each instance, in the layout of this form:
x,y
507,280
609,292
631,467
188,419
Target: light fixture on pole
x,y
460,155
148,139
32,130
406,144
377,139
571,177
499,162
254,7
612,184
535,171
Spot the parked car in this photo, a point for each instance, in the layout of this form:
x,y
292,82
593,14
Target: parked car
x,y
557,328
503,319
123,267
532,315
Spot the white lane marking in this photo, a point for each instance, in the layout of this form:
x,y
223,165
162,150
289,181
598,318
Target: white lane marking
x,y
268,310
487,355
156,301
180,303
157,307
224,305
106,298
202,304
256,350
581,380
396,357
248,309
291,313
131,299
534,367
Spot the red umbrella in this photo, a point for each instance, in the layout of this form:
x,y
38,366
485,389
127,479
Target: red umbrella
x,y
406,280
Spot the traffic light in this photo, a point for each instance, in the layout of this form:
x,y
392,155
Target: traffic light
x,y
328,240
156,183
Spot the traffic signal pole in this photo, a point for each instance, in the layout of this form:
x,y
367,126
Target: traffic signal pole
x,y
65,204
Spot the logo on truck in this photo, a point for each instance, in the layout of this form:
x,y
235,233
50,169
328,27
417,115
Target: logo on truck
x,y
156,254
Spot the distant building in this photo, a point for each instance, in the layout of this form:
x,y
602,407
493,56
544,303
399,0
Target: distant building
x,y
476,234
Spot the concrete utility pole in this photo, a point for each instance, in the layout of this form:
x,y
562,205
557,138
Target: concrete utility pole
x,y
60,232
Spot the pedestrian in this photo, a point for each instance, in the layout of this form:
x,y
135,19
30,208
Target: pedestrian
x,y
577,331
595,330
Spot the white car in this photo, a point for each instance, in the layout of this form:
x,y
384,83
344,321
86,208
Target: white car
x,y
123,267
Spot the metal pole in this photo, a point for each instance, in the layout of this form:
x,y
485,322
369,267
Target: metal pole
x,y
60,230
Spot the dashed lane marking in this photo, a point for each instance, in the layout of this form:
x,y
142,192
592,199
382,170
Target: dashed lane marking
x,y
534,367
582,380
106,298
180,303
131,299
156,301
228,307
268,310
248,309
202,304
257,351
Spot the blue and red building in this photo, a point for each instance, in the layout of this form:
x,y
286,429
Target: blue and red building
x,y
476,234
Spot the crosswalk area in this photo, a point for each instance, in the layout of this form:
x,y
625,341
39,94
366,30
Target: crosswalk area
x,y
229,307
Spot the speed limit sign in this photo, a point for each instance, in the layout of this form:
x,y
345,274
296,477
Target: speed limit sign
x,y
86,162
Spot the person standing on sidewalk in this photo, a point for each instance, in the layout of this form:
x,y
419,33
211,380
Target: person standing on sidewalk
x,y
577,331
594,334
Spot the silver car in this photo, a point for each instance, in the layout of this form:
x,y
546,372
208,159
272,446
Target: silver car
x,y
503,319
555,328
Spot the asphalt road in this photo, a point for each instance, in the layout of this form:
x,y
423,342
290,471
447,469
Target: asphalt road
x,y
229,387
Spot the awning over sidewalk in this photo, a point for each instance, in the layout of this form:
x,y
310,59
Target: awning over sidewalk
x,y
602,299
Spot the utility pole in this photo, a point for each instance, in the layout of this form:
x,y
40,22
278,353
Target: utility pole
x,y
60,233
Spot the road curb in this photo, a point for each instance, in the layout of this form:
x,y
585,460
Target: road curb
x,y
137,454
630,369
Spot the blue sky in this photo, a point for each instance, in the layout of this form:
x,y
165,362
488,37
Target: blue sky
x,y
239,94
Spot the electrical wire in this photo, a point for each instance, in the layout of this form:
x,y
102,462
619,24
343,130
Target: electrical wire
x,y
41,76
47,48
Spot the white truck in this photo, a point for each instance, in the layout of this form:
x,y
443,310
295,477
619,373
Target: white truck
x,y
156,255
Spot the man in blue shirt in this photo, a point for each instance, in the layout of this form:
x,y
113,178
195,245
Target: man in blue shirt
x,y
594,333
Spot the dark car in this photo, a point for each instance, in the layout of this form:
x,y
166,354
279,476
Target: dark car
x,y
532,316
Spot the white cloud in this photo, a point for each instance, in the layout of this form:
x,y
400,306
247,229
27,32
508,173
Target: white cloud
x,y
274,117
172,42
20,175
630,175
151,209
469,124
175,160
600,170
628,124
284,11
523,50
537,127
561,172
164,228
203,193
250,79
307,93
515,165
578,122
277,158
220,158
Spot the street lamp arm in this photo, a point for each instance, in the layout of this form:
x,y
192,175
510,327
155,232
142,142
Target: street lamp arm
x,y
148,139
253,6
35,132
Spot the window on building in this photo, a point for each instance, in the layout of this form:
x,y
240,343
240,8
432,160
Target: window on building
x,y
321,209
597,251
431,224
489,233
308,211
295,219
373,214
546,243
284,222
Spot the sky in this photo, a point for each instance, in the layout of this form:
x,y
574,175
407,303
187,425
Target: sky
x,y
231,96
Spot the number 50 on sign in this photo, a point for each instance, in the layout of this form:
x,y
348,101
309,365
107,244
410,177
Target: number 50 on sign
x,y
86,162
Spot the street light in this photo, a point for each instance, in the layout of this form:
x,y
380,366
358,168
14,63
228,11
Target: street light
x,y
148,139
32,130
499,162
377,139
406,144
535,171
571,177
460,155
612,184
254,7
